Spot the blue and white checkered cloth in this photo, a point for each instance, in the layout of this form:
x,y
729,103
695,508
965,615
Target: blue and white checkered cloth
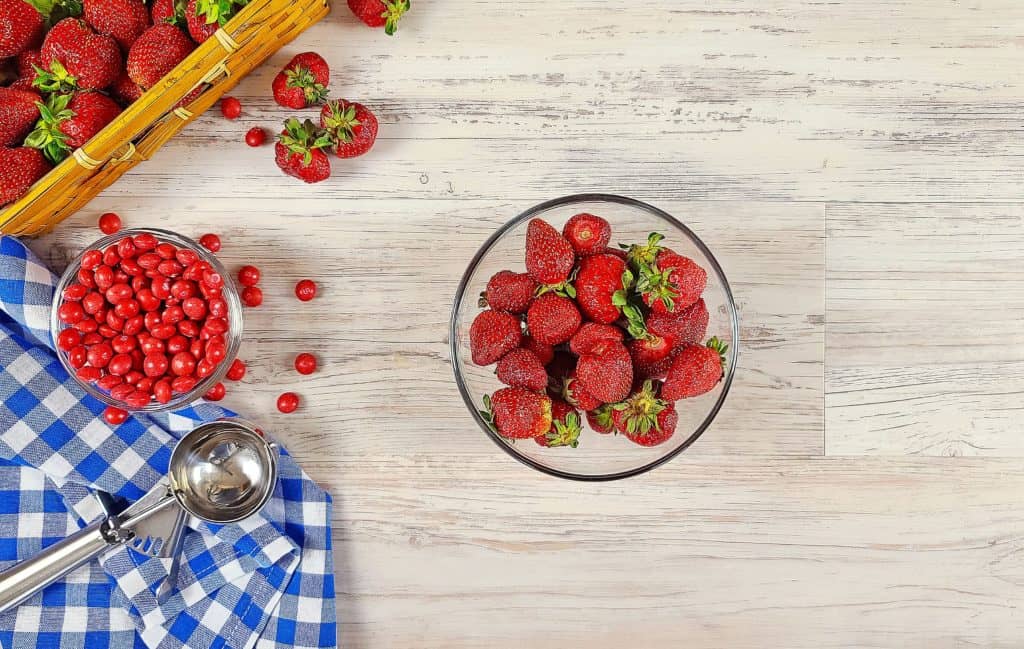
x,y
265,582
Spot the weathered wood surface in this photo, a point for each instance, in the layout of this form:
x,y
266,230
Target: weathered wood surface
x,y
856,168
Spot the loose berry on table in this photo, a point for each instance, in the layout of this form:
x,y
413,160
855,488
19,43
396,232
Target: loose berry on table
x,y
210,241
237,370
288,402
230,107
255,137
305,363
109,223
248,276
252,296
216,393
114,416
305,290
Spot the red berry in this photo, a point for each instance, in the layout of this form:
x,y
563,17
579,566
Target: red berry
x,y
230,107
92,259
114,416
305,363
68,339
248,276
237,370
305,290
183,364
110,223
255,137
120,364
70,312
252,296
211,242
162,390
155,365
216,393
288,402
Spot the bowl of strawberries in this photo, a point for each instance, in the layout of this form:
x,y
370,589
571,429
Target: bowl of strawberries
x,y
594,337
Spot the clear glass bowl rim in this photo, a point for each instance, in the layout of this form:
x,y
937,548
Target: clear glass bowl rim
x,y
460,296
230,296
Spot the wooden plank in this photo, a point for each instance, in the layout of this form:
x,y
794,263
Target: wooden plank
x,y
379,323
721,552
925,329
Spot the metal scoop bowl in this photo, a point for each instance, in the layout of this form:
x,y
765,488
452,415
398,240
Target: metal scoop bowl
x,y
221,472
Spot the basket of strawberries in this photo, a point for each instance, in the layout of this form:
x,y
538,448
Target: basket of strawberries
x,y
93,87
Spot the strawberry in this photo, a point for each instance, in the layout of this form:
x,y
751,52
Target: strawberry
x,y
516,413
19,169
587,233
606,371
126,91
574,392
600,419
591,333
545,353
644,418
552,319
299,151
696,370
644,254
598,280
549,256
672,282
28,61
649,355
492,335
156,52
21,27
656,369
565,426
520,368
508,291
94,60
302,82
621,254
124,20
18,113
69,121
687,325
353,128
204,17
169,11
380,13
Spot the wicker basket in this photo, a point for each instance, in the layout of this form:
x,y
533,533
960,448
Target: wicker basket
x,y
253,35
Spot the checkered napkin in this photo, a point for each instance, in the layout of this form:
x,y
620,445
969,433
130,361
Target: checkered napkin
x,y
265,582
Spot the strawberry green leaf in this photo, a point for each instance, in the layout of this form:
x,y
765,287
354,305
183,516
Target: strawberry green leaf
x,y
393,11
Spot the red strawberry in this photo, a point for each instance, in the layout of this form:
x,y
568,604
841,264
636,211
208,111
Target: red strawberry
x,y
574,392
644,254
205,17
21,27
94,60
156,52
69,121
517,413
644,418
621,254
673,282
302,82
600,420
19,169
587,233
545,353
353,128
591,333
598,280
552,319
492,335
23,83
647,353
124,20
565,426
687,325
299,151
28,61
549,256
606,371
508,291
696,370
18,113
655,370
520,368
169,11
380,13
125,90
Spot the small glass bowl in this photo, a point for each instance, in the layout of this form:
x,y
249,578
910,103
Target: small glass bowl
x,y
230,294
598,457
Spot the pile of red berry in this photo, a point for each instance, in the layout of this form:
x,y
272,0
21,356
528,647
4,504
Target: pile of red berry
x,y
615,332
144,319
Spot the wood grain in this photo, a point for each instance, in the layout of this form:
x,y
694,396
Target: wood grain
x,y
925,322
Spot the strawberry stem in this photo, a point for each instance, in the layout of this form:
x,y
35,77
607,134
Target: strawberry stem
x,y
393,12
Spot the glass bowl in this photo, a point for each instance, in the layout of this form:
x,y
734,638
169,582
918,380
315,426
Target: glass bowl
x,y
598,457
233,337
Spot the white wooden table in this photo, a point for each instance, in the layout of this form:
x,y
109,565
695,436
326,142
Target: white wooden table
x,y
857,168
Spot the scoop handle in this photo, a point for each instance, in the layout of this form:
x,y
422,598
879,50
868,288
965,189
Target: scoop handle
x,y
30,576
